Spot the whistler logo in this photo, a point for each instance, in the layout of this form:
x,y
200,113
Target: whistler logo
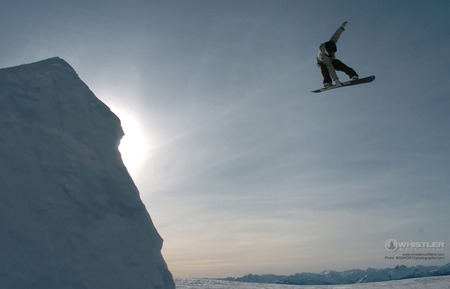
x,y
393,245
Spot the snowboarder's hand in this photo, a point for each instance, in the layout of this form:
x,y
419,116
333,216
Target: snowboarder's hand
x,y
343,24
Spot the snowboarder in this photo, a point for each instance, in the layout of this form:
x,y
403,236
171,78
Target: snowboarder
x,y
328,63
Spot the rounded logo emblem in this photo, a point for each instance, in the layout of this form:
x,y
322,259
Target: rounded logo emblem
x,y
391,245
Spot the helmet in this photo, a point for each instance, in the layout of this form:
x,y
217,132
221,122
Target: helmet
x,y
330,47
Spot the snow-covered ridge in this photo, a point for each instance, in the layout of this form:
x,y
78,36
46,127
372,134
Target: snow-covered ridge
x,y
442,282
349,276
71,216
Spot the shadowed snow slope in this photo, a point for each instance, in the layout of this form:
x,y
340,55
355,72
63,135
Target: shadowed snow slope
x,y
70,214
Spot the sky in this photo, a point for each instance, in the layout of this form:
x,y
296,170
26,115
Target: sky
x,y
243,169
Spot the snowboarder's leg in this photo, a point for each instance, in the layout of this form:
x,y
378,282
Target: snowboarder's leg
x,y
339,65
325,73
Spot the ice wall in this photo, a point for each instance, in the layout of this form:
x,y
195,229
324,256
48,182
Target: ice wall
x,y
70,215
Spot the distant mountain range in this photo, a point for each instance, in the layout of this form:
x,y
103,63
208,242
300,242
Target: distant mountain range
x,y
348,277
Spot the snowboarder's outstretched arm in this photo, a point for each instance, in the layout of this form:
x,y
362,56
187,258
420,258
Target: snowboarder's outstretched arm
x,y
334,38
338,33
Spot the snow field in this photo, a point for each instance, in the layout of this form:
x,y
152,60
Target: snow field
x,y
418,283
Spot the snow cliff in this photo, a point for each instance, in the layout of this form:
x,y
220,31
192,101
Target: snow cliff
x,y
70,215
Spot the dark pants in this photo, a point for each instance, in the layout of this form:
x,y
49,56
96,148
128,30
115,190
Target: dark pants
x,y
338,65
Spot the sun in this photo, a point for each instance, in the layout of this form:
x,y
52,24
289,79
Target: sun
x,y
134,146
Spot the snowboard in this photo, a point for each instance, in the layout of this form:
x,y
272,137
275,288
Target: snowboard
x,y
347,83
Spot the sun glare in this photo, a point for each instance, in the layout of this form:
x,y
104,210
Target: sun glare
x,y
134,146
